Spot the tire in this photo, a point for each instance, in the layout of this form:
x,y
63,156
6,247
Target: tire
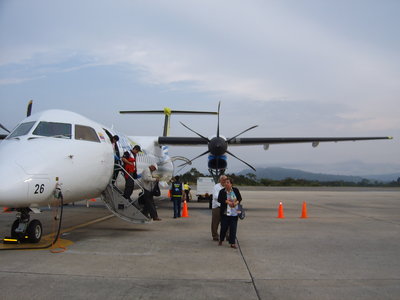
x,y
13,227
34,231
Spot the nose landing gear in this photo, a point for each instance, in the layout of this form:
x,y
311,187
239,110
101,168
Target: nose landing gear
x,y
23,230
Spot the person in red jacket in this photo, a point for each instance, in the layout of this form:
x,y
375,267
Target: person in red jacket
x,y
131,171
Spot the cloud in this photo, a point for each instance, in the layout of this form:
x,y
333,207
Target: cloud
x,y
9,81
253,51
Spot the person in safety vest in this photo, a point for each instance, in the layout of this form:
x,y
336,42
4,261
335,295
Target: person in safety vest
x,y
176,196
186,188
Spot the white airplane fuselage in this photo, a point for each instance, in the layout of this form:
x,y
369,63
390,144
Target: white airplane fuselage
x,y
79,157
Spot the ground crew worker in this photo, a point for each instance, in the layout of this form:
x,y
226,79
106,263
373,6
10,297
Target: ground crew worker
x,y
186,188
176,196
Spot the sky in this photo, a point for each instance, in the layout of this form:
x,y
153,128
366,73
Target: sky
x,y
295,68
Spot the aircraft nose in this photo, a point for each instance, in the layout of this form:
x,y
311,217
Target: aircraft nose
x,y
13,185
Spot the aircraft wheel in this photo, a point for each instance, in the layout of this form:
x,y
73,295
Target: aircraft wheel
x,y
13,227
34,231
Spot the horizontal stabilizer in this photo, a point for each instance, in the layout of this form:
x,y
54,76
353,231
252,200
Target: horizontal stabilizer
x,y
168,111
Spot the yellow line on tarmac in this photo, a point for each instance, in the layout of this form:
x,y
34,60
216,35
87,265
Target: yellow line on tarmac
x,y
47,239
62,244
82,225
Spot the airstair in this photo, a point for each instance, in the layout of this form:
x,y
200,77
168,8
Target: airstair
x,y
126,209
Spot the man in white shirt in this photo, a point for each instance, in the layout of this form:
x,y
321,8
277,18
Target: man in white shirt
x,y
148,181
216,216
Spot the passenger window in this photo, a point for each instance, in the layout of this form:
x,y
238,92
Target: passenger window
x,y
22,129
53,129
86,133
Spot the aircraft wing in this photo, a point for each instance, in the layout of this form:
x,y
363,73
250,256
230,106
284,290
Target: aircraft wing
x,y
292,140
181,141
192,141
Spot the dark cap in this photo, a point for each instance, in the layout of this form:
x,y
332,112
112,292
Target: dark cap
x,y
137,147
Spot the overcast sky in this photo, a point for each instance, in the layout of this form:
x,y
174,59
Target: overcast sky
x,y
295,68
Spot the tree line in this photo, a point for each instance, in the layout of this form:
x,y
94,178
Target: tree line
x,y
250,179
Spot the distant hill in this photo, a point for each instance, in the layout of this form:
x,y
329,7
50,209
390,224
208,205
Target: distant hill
x,y
384,177
276,173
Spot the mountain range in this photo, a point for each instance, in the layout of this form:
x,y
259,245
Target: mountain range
x,y
278,173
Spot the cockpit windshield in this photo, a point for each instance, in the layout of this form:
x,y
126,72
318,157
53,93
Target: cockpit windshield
x,y
22,129
53,129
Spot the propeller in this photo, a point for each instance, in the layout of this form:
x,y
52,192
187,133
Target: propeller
x,y
252,127
230,153
29,108
217,147
4,128
207,139
219,106
28,113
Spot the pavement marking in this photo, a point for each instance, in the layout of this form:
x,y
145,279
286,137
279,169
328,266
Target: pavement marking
x,y
83,225
48,238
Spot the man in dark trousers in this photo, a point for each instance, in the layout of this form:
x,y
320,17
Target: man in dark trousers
x,y
131,171
148,181
176,196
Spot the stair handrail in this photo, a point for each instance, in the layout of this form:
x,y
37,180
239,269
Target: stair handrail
x,y
110,204
121,168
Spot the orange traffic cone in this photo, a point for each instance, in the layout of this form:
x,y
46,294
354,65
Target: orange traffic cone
x,y
304,211
185,213
280,211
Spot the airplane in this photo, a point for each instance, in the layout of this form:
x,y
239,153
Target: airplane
x,y
58,157
218,144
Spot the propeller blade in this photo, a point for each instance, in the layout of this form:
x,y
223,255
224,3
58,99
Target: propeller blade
x,y
4,128
196,132
252,127
29,108
190,161
219,105
240,160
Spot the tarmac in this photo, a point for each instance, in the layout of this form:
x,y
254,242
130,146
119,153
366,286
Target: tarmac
x,y
347,248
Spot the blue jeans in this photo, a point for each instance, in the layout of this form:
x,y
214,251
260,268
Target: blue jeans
x,y
177,206
228,222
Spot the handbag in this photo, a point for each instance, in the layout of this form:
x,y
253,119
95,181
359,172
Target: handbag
x,y
156,190
242,213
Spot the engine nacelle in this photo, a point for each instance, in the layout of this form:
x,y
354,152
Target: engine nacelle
x,y
217,162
